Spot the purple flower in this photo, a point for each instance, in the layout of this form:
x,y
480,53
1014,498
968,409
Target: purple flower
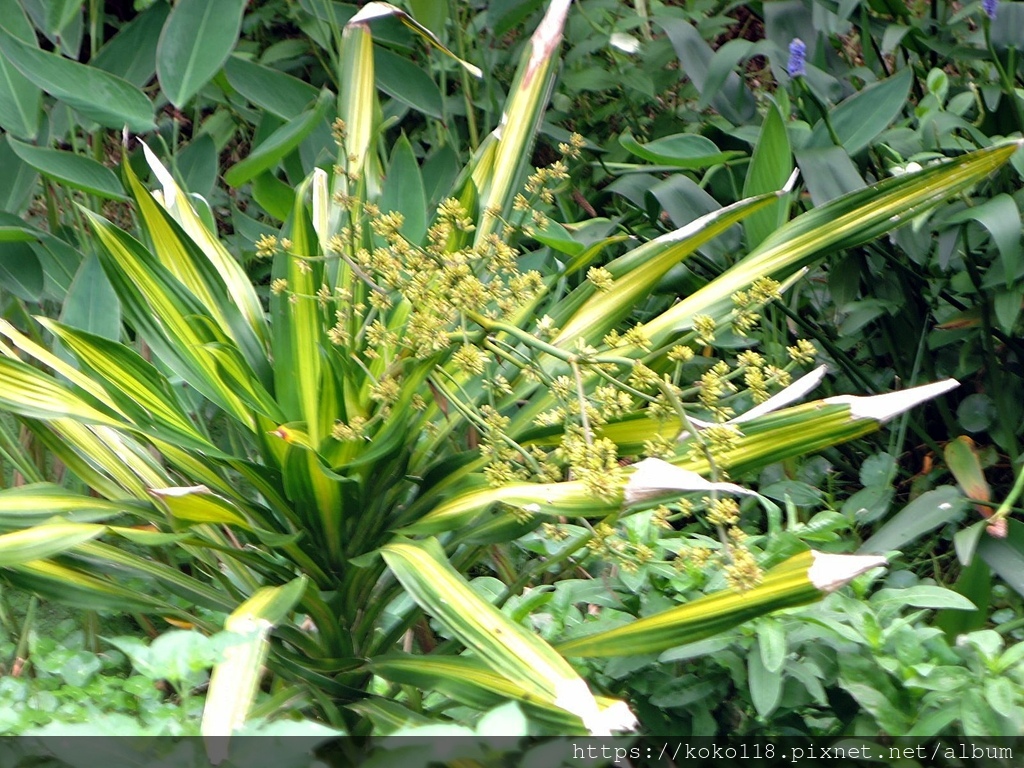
x,y
798,53
990,7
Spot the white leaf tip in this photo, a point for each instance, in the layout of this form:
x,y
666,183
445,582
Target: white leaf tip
x,y
882,408
830,572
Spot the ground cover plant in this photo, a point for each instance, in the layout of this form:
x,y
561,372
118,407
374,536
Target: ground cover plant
x,y
451,438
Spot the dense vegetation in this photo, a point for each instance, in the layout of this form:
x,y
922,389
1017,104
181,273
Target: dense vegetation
x,y
366,370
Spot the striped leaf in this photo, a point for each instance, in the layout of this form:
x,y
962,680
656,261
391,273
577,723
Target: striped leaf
x,y
235,680
505,647
802,579
846,222
44,541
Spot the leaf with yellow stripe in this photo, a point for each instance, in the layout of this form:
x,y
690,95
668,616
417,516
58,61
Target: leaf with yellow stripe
x,y
507,648
235,680
802,579
44,541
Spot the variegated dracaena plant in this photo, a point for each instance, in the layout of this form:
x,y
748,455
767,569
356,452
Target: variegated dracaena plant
x,y
413,396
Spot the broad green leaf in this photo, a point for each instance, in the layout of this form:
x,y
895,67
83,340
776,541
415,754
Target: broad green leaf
x,y
1006,556
91,303
270,89
197,166
1001,217
925,513
765,684
17,181
59,13
194,44
42,541
733,101
273,195
400,79
681,150
770,167
131,53
20,99
98,95
859,119
20,270
282,142
828,173
77,171
924,596
403,191
962,460
430,14
771,644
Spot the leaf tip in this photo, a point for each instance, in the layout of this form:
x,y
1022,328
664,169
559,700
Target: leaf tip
x,y
882,408
829,572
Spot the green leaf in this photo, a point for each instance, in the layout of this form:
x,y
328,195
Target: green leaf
x,y
924,596
280,143
858,120
770,168
400,79
196,41
403,191
29,392
42,541
470,682
20,270
131,53
98,95
765,684
430,14
1001,217
681,150
844,223
828,173
37,502
1006,556
925,513
20,99
77,171
771,643
733,100
16,182
91,303
269,89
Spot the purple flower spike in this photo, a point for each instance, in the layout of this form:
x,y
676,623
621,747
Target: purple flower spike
x,y
797,55
990,7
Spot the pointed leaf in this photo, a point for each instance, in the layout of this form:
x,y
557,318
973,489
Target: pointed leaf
x,y
109,100
194,44
42,541
76,171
